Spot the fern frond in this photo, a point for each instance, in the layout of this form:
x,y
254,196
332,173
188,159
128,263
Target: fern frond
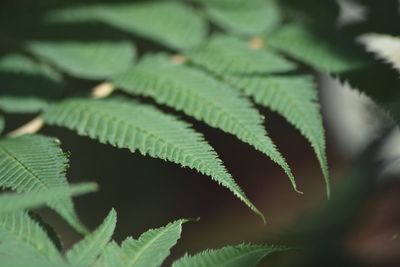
x,y
302,44
11,202
86,251
128,124
27,85
35,164
384,46
231,256
170,23
18,227
111,256
229,55
250,18
295,98
88,60
202,97
152,247
17,254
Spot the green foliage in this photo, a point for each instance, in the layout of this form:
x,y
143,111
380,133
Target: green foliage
x,y
129,124
305,45
86,60
229,55
171,23
86,251
22,236
232,256
27,85
152,247
295,98
34,164
19,228
13,201
57,48
246,18
202,97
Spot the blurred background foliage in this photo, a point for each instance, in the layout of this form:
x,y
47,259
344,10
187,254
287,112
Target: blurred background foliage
x,y
359,226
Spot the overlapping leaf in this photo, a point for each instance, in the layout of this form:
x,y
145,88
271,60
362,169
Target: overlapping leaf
x,y
202,97
19,228
295,98
35,164
302,44
247,18
27,85
171,23
11,202
128,124
86,251
232,256
88,60
152,247
229,55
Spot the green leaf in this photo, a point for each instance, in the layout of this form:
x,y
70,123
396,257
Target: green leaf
x,y
304,45
171,23
19,228
11,202
152,247
128,124
27,85
250,18
111,256
88,60
232,256
228,55
384,46
296,99
87,250
35,164
202,97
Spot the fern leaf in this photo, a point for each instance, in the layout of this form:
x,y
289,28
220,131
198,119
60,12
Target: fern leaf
x,y
171,23
86,251
17,254
202,97
152,247
26,85
128,124
35,164
228,55
250,18
384,46
111,256
295,98
303,45
232,256
11,202
88,60
20,228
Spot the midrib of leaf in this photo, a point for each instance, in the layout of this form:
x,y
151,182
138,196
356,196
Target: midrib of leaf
x,y
296,105
232,259
137,126
148,244
26,168
88,248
